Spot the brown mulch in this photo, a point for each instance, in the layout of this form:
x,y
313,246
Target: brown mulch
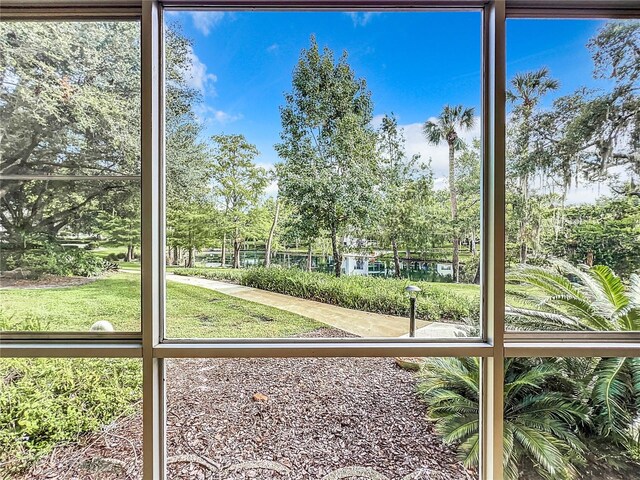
x,y
46,281
283,419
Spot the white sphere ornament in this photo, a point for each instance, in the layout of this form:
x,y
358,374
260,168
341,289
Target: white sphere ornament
x,y
102,326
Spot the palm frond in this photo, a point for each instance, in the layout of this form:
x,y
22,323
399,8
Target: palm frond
x,y
541,315
470,451
611,285
610,391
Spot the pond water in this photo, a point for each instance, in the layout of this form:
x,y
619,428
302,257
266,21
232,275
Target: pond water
x,y
425,271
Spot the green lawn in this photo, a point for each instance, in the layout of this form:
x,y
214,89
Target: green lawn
x,y
191,311
471,291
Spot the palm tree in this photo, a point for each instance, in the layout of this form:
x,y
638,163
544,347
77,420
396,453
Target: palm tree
x,y
540,420
527,90
446,127
593,299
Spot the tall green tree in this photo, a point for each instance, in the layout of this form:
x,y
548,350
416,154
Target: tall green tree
x,y
328,148
121,225
401,189
191,226
468,180
447,127
70,105
188,172
527,89
238,184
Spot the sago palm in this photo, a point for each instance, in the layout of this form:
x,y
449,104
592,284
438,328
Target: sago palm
x,y
446,127
540,422
595,299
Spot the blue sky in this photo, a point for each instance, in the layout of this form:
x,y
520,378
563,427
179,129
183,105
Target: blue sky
x,y
414,63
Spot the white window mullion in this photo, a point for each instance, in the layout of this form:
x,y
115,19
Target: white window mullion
x,y
493,235
153,404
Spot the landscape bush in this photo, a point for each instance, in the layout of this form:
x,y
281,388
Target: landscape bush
x,y
44,402
370,294
223,274
551,413
116,257
52,259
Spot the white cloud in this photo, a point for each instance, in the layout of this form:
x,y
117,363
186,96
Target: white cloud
x,y
208,115
415,143
360,19
205,21
273,48
197,75
376,121
225,117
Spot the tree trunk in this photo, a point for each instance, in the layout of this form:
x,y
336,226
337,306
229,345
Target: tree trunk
x,y
476,278
454,214
129,256
236,250
267,253
337,256
190,258
223,254
396,258
589,260
309,257
524,187
456,259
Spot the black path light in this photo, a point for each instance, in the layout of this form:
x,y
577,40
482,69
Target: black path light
x,y
412,291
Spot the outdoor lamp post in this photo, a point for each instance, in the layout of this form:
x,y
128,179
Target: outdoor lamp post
x,y
412,291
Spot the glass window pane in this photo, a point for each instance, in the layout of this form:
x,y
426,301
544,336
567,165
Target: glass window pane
x,y
572,418
70,98
69,256
573,203
70,419
304,418
320,169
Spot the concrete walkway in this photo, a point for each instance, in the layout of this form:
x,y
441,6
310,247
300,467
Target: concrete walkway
x,y
362,324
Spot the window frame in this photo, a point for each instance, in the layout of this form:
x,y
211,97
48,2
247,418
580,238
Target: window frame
x,y
150,344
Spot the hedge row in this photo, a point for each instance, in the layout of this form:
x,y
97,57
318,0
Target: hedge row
x,y
366,293
223,274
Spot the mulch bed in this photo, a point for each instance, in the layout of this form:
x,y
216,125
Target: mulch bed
x,y
46,281
285,419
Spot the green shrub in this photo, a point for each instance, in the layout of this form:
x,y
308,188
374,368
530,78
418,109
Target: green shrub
x,y
543,414
366,293
116,257
223,274
53,259
47,401
371,294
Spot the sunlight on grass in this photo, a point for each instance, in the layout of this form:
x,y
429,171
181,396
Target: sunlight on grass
x,y
191,311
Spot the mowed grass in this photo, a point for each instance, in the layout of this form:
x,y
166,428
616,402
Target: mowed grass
x,y
192,312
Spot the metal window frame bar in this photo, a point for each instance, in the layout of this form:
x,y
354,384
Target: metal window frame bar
x,y
70,178
152,266
293,350
572,9
324,5
493,249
